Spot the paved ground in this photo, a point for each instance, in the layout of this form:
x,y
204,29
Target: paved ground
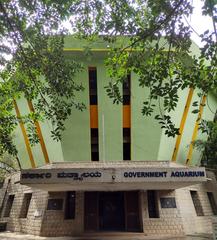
x,y
14,236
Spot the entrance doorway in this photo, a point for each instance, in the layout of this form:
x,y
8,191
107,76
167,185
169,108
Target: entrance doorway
x,y
112,211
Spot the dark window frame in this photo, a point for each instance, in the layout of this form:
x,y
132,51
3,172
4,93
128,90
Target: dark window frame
x,y
25,205
168,202
197,203
212,202
92,76
94,132
70,205
126,144
153,207
55,204
127,90
9,205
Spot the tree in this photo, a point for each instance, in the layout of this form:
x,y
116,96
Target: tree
x,y
209,146
157,50
38,70
8,165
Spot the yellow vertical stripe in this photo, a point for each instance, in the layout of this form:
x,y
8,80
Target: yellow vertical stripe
x,y
27,143
194,135
40,136
182,124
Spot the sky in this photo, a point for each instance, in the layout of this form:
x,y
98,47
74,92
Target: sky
x,y
199,22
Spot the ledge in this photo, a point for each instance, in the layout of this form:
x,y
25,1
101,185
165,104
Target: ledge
x,y
112,176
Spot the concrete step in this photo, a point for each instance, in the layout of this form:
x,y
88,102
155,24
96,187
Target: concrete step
x,y
104,236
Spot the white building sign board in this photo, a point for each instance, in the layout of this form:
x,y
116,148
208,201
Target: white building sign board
x,y
112,175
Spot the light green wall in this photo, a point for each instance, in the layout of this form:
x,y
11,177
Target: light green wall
x,y
76,137
145,131
73,43
208,114
54,156
148,141
36,149
21,147
167,144
110,120
188,130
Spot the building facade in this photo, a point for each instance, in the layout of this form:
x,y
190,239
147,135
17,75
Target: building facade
x,y
114,169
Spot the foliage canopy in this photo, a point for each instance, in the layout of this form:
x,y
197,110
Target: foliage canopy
x,y
33,33
208,147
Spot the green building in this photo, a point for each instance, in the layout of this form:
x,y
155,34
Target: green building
x,y
114,169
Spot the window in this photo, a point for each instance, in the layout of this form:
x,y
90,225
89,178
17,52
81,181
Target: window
x,y
168,202
93,85
126,119
55,204
212,202
9,205
126,90
126,144
70,205
152,204
196,202
94,144
93,114
25,205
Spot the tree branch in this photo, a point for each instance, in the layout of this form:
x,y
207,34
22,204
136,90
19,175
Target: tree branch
x,y
5,169
157,27
23,52
8,165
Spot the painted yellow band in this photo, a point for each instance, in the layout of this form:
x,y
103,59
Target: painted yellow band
x,y
182,124
194,135
40,136
95,49
93,116
102,50
27,143
126,116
